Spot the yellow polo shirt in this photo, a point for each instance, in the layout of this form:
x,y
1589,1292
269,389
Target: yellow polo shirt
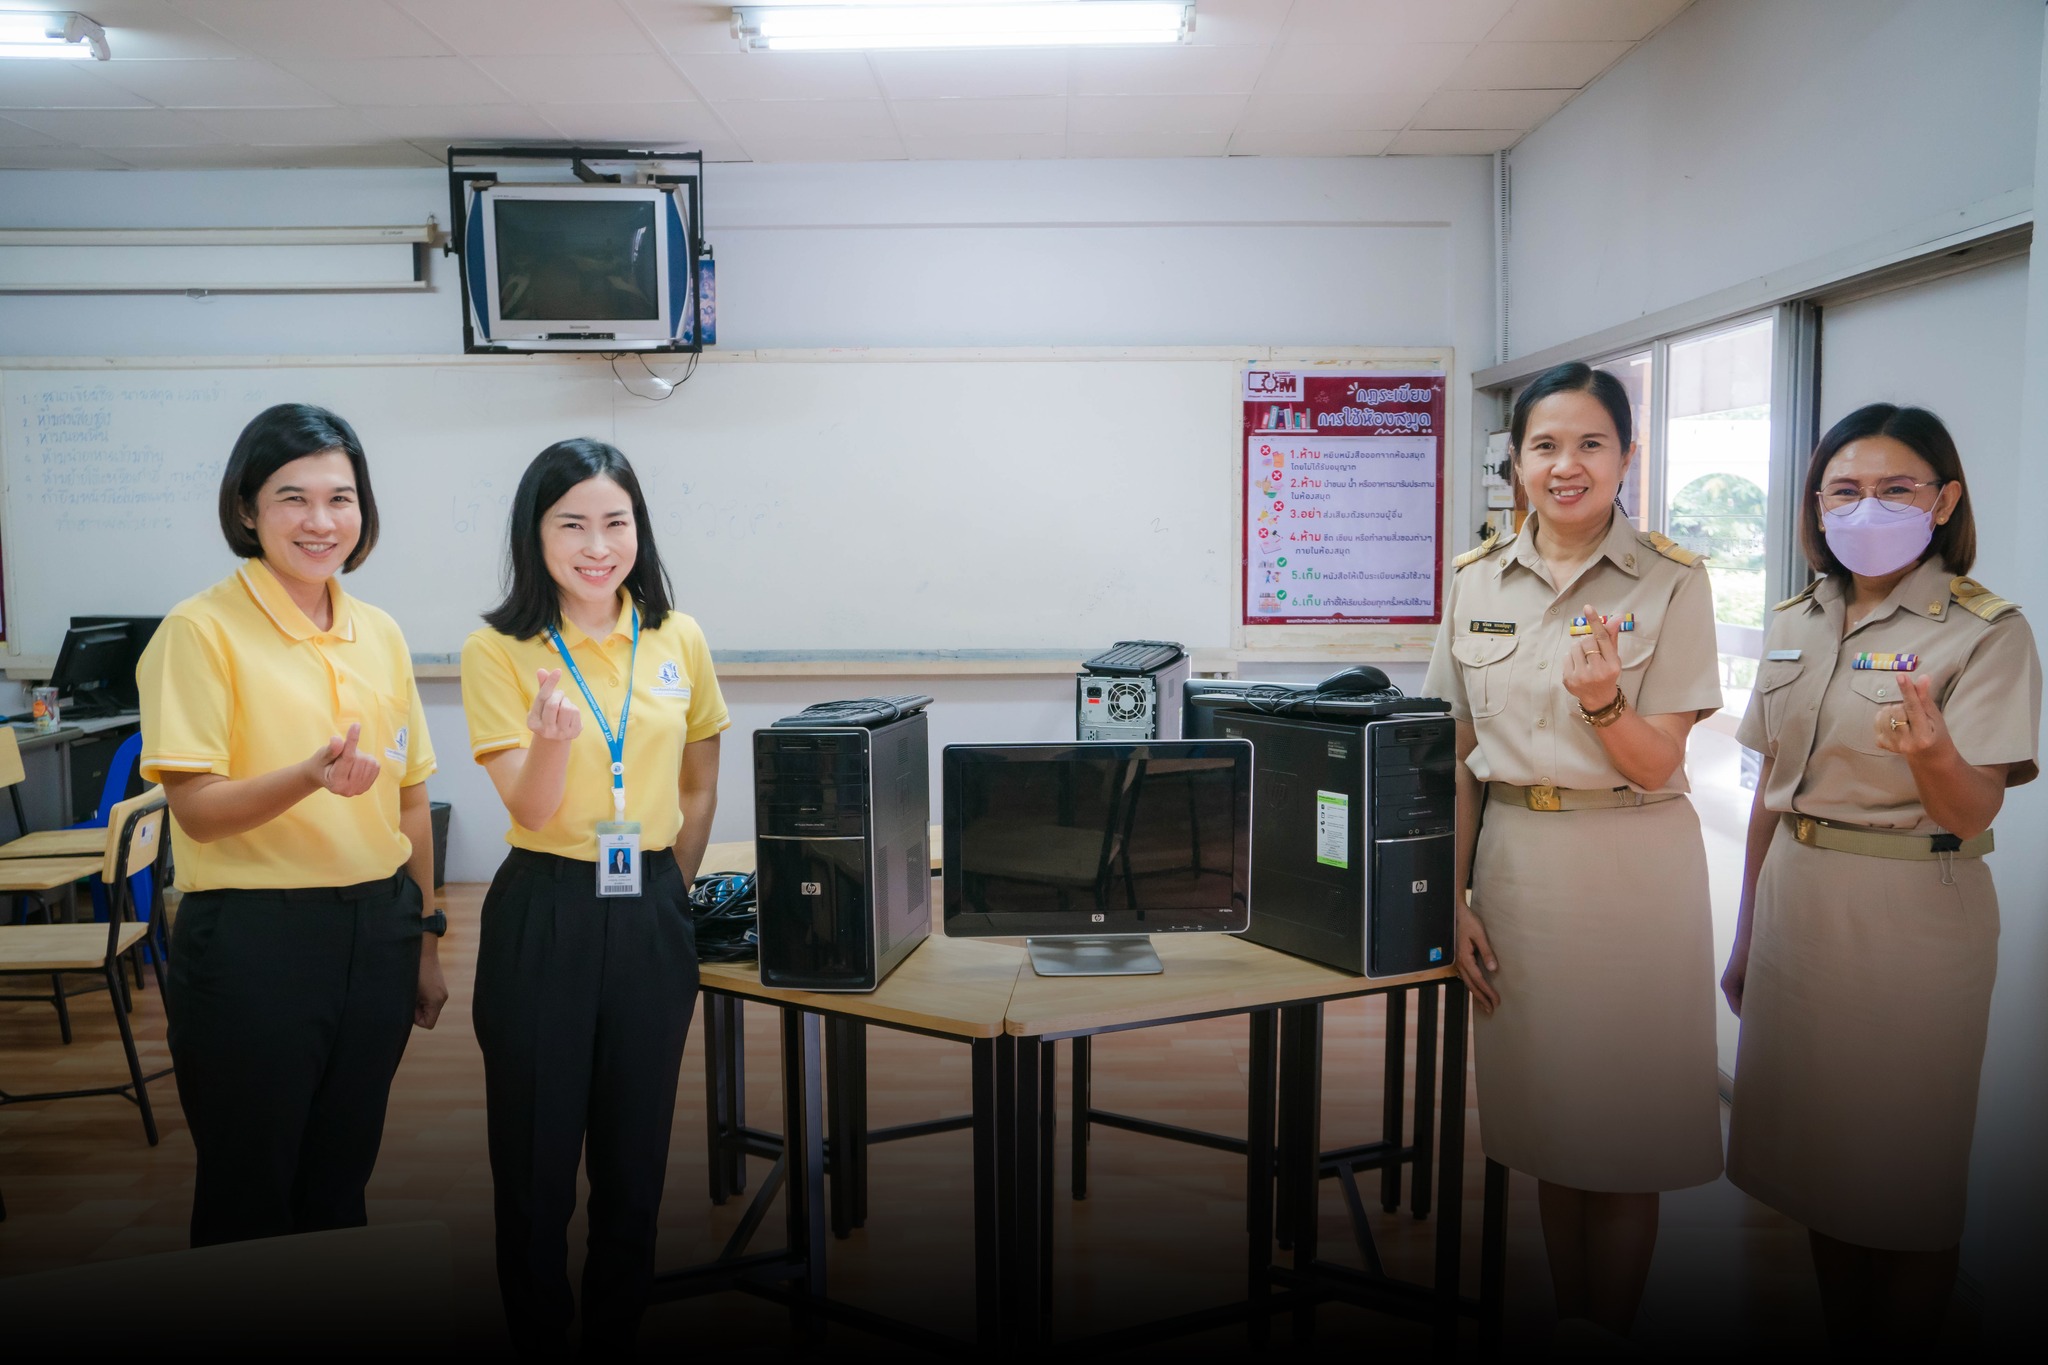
x,y
239,682
675,700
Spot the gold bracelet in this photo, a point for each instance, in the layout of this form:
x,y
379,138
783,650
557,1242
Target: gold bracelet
x,y
1607,714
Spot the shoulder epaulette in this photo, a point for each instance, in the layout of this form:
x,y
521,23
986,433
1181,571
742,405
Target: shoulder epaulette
x,y
1671,549
1796,598
1979,600
1494,540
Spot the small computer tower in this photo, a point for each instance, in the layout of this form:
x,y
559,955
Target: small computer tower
x,y
1131,693
842,831
1353,839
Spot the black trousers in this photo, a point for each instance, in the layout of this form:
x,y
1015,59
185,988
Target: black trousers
x,y
582,1006
289,1011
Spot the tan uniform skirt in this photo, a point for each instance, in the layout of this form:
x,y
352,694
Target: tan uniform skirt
x,y
1863,1021
1597,1071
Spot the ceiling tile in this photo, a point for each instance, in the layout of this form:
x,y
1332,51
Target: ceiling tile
x,y
983,147
1297,142
634,125
1398,68
276,158
1535,66
151,29
401,80
1145,145
1625,21
644,78
289,127
974,75
539,28
1329,113
482,123
1238,23
1155,114
1459,142
213,84
1522,109
21,135
1394,21
32,83
686,27
1167,70
57,158
112,128
781,76
827,149
314,28
980,118
751,120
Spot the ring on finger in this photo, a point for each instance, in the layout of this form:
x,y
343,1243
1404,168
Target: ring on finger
x,y
1896,722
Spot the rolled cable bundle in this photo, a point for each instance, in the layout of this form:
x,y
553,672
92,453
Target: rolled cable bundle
x,y
722,912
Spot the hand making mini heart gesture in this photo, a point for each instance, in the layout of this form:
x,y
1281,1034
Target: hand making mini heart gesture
x,y
1592,663
553,715
1913,726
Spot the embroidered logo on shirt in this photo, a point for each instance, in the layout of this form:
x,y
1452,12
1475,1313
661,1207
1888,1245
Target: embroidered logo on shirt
x,y
668,681
400,742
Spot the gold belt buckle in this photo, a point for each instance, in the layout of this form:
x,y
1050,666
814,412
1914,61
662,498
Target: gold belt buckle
x,y
1802,829
1544,798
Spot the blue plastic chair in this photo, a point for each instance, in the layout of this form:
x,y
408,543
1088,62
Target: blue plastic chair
x,y
120,773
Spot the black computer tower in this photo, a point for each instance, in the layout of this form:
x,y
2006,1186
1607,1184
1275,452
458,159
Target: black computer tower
x,y
842,830
1353,839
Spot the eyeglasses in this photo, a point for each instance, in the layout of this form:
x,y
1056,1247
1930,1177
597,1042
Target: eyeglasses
x,y
1899,495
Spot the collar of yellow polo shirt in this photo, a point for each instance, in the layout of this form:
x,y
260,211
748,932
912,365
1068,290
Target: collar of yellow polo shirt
x,y
239,682
676,700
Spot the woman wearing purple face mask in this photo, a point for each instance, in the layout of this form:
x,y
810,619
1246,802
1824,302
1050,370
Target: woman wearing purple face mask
x,y
1896,702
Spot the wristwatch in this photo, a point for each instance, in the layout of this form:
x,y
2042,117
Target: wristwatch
x,y
435,924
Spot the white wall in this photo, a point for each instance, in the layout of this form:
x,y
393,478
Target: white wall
x,y
1751,135
1191,252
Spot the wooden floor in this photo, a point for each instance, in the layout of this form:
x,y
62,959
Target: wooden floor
x,y
1159,1234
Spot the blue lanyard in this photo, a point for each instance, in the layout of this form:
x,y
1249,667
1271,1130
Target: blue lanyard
x,y
616,743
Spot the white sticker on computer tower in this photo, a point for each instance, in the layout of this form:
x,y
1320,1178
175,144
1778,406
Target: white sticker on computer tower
x,y
1333,829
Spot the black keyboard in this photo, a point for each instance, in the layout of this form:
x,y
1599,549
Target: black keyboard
x,y
864,712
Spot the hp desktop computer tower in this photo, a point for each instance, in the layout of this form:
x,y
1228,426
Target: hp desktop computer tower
x,y
842,829
1131,692
1352,839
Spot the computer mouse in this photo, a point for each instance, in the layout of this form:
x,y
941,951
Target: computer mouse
x,y
1357,678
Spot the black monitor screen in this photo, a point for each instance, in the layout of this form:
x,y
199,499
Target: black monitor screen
x,y
1076,839
581,260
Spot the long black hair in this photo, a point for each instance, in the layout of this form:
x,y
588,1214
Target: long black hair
x,y
532,601
1921,432
273,439
1574,376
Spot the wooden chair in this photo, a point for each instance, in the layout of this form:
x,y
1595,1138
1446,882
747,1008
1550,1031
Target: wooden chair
x,y
135,840
12,774
47,843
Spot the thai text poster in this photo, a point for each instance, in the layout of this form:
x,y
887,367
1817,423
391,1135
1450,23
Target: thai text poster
x,y
1343,497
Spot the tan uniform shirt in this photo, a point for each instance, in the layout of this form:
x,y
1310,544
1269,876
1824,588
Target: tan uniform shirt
x,y
1500,655
1815,715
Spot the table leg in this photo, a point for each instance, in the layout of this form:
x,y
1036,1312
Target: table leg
x,y
988,1258
1425,1098
1258,1170
803,1151
718,1123
1006,1185
1304,1039
1028,1268
736,1093
1048,1155
1393,1087
1084,1103
1451,1167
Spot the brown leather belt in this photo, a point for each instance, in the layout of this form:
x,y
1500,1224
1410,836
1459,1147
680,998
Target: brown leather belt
x,y
1885,843
1574,798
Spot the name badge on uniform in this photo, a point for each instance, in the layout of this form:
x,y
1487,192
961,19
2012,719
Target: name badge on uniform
x,y
1782,656
1493,627
618,858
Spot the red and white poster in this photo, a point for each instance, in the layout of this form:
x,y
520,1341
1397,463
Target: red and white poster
x,y
1343,497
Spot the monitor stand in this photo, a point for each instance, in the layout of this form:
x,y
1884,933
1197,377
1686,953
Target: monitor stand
x,y
1110,955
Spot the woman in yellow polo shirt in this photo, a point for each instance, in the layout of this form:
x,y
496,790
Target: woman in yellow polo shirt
x,y
280,715
592,704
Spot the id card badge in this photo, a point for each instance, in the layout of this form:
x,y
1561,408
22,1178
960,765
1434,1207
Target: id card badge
x,y
618,858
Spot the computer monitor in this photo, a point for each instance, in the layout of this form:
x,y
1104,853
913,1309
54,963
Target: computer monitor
x,y
95,669
1086,849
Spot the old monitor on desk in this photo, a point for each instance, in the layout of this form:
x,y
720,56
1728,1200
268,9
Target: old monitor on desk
x,y
1085,850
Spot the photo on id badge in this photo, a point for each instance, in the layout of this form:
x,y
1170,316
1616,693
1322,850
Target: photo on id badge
x,y
618,858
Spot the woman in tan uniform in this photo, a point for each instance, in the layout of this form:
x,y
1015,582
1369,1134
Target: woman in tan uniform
x,y
1595,981
1896,702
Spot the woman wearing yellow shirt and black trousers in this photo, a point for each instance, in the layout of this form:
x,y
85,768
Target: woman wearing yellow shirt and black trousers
x,y
281,717
592,705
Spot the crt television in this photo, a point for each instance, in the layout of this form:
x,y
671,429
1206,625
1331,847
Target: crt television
x,y
1086,849
578,267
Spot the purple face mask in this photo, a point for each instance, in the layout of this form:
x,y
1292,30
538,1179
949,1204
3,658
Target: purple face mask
x,y
1873,540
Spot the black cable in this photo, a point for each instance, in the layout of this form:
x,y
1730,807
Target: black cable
x,y
722,912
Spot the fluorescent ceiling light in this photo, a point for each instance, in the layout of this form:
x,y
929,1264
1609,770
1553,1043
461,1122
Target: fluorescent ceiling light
x,y
60,34
817,27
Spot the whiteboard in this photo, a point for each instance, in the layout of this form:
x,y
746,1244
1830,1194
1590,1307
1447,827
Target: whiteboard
x,y
805,502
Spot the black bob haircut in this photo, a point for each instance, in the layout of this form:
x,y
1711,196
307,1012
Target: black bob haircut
x,y
532,601
1573,377
1921,432
273,439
